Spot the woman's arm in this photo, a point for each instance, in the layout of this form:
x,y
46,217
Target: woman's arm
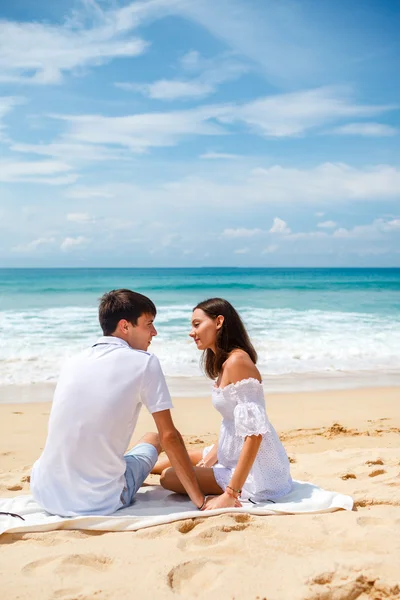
x,y
239,366
245,462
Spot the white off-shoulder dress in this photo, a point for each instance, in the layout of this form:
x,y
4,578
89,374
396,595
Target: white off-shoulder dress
x,y
242,407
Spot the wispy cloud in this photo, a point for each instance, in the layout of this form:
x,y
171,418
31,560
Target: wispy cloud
x,y
281,115
71,243
260,34
40,53
285,115
365,129
377,229
34,245
327,225
241,232
211,74
81,218
317,186
50,172
72,152
169,89
7,103
219,156
271,249
143,131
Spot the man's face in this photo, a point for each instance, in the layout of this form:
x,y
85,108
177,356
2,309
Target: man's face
x,y
139,336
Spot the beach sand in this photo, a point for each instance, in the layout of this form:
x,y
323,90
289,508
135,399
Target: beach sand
x,y
346,441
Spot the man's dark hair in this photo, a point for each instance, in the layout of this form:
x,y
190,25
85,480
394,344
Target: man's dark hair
x,y
123,304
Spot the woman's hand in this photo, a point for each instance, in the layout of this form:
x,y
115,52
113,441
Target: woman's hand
x,y
206,463
223,501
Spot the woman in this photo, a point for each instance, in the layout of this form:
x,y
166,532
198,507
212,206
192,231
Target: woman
x,y
249,460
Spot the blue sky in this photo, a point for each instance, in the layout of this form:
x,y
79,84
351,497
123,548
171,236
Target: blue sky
x,y
215,132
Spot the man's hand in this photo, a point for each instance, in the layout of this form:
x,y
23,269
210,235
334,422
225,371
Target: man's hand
x,y
222,501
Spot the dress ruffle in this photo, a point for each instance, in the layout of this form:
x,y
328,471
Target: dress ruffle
x,y
250,419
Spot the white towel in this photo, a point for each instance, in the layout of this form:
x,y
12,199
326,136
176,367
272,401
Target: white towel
x,y
154,506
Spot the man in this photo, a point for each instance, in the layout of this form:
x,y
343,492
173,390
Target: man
x,y
83,469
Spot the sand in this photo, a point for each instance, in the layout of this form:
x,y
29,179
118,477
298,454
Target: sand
x,y
343,440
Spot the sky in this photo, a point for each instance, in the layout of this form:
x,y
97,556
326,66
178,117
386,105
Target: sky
x,y
181,133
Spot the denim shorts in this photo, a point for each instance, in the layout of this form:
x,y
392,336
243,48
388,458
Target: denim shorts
x,y
139,462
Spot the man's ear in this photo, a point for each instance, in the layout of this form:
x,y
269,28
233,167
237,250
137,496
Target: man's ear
x,y
123,325
219,321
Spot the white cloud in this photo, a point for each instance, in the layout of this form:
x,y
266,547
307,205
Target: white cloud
x,y
33,245
307,235
279,226
242,251
167,89
327,224
375,230
365,129
45,171
7,103
274,116
142,131
213,72
285,115
219,156
72,152
271,249
79,218
319,186
241,232
330,181
40,53
82,193
70,243
393,225
273,35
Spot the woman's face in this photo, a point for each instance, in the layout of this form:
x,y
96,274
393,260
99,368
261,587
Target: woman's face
x,y
204,329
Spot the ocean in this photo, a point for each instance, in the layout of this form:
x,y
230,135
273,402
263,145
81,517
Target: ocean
x,y
304,323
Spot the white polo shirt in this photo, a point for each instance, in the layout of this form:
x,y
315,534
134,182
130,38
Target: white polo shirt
x,y
95,410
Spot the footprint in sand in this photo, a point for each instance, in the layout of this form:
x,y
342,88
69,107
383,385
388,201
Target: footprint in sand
x,y
193,577
368,521
341,586
213,534
77,594
14,487
377,461
348,476
67,564
377,472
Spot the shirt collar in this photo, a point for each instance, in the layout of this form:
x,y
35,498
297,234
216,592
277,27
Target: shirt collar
x,y
113,340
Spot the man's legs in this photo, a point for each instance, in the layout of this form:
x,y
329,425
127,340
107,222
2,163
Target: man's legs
x,y
140,460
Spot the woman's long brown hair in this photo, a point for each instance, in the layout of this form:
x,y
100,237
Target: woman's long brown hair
x,y
231,336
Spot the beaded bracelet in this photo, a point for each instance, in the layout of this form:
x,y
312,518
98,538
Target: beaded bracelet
x,y
233,490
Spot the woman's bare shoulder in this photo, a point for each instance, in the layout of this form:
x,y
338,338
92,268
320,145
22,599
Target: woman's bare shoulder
x,y
239,366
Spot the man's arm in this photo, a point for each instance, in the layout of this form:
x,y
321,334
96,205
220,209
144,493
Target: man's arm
x,y
172,442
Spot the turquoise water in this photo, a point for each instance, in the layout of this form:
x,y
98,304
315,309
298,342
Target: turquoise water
x,y
301,320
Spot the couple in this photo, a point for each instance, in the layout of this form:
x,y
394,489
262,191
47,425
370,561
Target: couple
x,y
83,469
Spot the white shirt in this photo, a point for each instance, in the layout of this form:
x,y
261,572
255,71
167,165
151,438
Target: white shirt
x,y
95,410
